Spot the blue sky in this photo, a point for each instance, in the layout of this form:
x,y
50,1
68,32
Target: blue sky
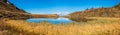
x,y
61,6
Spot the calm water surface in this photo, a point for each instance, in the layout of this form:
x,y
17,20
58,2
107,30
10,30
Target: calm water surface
x,y
50,20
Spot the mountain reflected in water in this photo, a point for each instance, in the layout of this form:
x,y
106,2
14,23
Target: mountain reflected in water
x,y
50,20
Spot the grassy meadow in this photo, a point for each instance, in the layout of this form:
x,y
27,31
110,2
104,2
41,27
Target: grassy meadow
x,y
98,26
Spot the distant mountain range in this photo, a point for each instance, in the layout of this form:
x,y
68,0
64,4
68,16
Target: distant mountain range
x,y
98,12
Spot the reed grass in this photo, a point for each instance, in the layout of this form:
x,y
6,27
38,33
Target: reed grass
x,y
99,26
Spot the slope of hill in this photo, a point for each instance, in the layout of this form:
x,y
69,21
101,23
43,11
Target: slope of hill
x,y
9,10
9,7
99,12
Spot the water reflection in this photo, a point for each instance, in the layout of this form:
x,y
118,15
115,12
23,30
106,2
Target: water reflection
x,y
50,20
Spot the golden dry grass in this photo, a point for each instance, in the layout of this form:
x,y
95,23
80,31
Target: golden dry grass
x,y
100,26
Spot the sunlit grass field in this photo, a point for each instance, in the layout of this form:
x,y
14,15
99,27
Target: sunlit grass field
x,y
98,26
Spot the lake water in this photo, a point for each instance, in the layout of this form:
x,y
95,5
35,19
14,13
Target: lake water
x,y
50,20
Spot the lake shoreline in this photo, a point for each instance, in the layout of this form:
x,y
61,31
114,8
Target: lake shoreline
x,y
95,27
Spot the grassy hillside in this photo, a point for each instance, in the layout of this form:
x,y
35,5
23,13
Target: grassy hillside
x,y
98,12
44,16
9,10
100,26
103,22
7,6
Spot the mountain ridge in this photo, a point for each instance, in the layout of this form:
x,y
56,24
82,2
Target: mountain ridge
x,y
9,10
99,12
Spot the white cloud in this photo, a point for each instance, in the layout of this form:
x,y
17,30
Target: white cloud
x,y
61,13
